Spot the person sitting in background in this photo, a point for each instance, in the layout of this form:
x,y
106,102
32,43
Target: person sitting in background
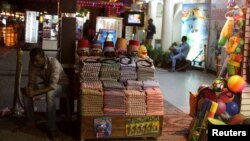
x,y
54,82
178,53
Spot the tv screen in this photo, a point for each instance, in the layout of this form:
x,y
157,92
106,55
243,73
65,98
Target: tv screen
x,y
134,18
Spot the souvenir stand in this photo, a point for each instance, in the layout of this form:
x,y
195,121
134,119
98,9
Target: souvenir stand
x,y
119,97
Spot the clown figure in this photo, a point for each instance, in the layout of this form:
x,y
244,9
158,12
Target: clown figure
x,y
231,37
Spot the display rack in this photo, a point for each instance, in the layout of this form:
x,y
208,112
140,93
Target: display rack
x,y
125,125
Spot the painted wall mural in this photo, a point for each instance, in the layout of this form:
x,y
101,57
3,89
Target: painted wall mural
x,y
195,25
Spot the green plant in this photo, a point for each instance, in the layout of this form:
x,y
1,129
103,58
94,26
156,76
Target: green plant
x,y
149,50
165,57
158,55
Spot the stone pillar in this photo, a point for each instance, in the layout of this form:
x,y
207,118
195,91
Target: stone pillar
x,y
167,24
150,9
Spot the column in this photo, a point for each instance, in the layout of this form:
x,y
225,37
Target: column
x,y
168,22
245,110
167,25
67,25
150,9
67,33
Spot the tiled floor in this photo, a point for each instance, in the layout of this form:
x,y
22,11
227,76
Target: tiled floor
x,y
176,85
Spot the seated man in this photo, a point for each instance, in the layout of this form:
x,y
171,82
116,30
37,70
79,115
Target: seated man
x,y
179,53
54,82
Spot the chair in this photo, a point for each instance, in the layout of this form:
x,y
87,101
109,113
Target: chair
x,y
182,65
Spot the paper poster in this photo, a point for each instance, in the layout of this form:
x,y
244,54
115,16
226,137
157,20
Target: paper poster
x,y
107,35
103,127
31,26
142,125
195,25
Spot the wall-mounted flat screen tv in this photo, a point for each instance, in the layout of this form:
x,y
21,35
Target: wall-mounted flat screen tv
x,y
134,18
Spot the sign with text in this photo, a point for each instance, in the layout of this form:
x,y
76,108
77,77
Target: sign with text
x,y
31,26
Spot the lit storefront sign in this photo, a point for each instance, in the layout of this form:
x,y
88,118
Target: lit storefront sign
x,y
31,27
